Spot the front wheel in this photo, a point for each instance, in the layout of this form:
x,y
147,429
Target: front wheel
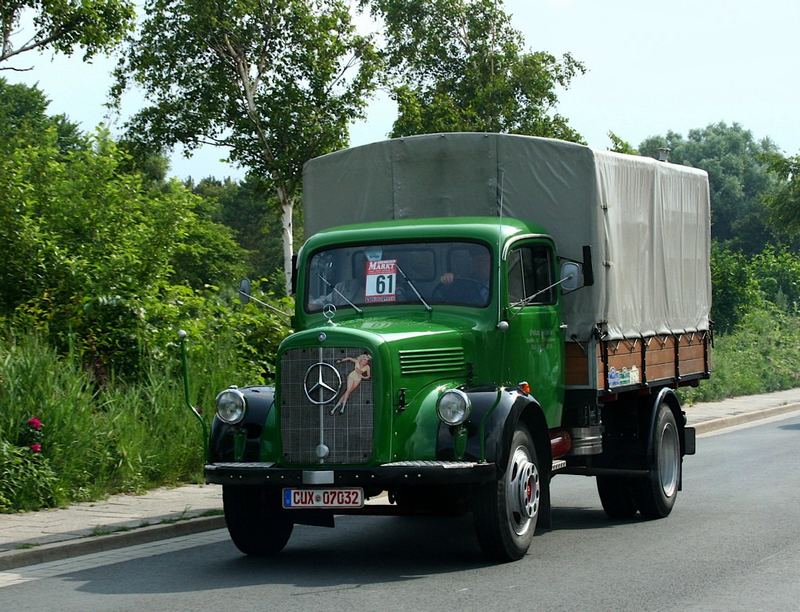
x,y
656,494
506,511
256,522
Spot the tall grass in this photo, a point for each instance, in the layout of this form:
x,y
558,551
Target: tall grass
x,y
130,436
762,354
100,440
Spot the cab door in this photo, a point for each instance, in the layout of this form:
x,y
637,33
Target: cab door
x,y
534,350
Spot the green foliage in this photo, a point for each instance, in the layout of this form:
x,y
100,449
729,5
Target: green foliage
x,y
778,275
90,247
458,65
735,289
618,145
742,284
762,354
252,213
275,82
126,436
755,313
738,178
27,481
783,201
24,120
61,25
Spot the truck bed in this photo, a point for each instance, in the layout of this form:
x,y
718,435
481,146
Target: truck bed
x,y
615,366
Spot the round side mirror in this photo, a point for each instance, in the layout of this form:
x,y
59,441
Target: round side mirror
x,y
244,290
571,276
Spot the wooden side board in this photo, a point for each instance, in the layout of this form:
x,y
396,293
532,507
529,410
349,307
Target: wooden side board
x,y
639,362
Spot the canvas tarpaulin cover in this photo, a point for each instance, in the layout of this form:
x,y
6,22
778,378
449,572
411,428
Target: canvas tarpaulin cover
x,y
647,222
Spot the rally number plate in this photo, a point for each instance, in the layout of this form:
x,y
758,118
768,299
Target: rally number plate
x,y
323,498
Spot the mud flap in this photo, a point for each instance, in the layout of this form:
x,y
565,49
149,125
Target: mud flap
x,y
545,522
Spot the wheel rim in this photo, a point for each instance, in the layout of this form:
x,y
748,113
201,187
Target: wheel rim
x,y
522,491
669,459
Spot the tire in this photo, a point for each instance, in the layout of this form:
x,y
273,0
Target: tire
x,y
617,497
656,494
506,510
256,522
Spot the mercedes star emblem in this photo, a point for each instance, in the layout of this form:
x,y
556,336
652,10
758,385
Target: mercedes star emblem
x,y
316,389
329,311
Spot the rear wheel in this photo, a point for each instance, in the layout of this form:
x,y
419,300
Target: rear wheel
x,y
656,494
256,522
506,511
617,497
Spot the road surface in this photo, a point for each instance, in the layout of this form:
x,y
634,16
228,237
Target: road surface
x,y
731,543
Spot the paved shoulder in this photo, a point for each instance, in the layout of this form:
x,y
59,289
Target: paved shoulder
x,y
711,416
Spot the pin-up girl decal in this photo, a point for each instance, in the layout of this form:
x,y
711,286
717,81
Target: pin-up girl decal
x,y
361,371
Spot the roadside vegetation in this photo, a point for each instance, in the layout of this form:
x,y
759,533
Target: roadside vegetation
x,y
103,257
757,317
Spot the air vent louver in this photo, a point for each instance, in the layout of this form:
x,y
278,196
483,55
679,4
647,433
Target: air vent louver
x,y
432,361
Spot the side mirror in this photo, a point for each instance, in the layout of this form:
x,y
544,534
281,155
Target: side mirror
x,y
244,290
571,276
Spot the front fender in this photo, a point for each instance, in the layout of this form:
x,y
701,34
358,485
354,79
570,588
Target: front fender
x,y
222,445
495,413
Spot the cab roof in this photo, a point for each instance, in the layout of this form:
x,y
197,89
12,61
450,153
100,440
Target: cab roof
x,y
484,229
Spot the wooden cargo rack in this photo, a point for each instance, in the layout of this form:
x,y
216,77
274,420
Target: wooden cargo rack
x,y
637,363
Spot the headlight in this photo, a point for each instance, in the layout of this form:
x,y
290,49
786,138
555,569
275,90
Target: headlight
x,y
231,406
453,407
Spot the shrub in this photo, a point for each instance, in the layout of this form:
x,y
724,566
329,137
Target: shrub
x,y
27,482
761,355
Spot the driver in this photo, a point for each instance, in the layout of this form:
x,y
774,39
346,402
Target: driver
x,y
472,287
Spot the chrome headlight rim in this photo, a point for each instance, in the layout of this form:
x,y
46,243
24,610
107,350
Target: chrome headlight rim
x,y
240,400
466,408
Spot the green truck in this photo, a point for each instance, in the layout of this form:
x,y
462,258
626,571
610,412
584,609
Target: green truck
x,y
476,313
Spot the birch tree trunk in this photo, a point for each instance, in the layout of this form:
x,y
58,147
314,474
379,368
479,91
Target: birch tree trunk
x,y
287,235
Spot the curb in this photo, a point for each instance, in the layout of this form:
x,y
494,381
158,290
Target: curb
x,y
745,417
57,551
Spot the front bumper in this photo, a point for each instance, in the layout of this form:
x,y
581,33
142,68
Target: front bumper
x,y
403,473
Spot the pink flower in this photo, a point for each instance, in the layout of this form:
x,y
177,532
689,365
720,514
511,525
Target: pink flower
x,y
35,423
36,448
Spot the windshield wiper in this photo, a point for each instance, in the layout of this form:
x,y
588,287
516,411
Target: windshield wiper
x,y
410,284
343,296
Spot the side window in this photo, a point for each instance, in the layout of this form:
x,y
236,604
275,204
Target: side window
x,y
530,271
516,281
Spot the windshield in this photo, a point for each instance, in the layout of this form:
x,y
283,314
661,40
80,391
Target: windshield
x,y
455,273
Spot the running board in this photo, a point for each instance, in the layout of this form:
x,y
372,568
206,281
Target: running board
x,y
600,471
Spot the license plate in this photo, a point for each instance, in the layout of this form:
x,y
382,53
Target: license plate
x,y
323,498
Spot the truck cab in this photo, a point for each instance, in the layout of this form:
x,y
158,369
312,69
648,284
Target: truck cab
x,y
420,348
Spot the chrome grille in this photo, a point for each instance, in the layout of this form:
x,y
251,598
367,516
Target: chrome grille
x,y
305,425
425,361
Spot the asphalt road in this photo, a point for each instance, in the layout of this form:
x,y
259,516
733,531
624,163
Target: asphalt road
x,y
731,543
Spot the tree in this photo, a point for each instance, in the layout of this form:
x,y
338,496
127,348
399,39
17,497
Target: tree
x,y
276,82
618,145
738,178
783,201
23,116
90,245
458,65
62,25
248,208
